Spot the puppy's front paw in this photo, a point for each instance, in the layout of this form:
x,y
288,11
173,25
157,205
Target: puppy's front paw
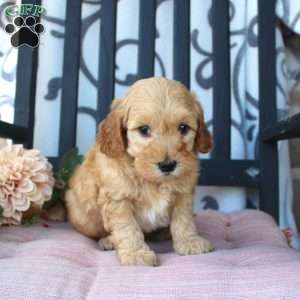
x,y
138,257
193,245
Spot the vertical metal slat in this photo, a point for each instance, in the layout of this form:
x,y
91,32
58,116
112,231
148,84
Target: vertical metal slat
x,y
69,97
221,77
106,72
146,38
27,65
269,190
181,42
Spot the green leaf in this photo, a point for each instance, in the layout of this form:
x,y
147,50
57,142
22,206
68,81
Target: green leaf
x,y
69,162
30,221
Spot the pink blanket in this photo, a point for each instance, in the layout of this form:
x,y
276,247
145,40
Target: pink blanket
x,y
252,261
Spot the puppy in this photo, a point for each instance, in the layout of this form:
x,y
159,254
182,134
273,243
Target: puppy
x,y
141,173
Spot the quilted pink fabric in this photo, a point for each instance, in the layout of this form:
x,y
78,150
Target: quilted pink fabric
x,y
251,261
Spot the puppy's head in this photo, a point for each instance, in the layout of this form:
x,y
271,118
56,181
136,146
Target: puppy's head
x,y
160,124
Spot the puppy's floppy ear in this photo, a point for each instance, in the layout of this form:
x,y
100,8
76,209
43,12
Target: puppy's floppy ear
x,y
111,134
203,140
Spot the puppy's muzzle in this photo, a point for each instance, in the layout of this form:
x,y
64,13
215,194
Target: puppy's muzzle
x,y
167,166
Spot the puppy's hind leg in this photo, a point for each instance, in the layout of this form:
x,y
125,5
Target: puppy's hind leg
x,y
84,215
106,243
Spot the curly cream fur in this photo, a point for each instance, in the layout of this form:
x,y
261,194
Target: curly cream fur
x,y
118,193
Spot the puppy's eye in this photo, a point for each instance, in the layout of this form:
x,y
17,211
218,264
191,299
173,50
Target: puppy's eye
x,y
183,128
144,130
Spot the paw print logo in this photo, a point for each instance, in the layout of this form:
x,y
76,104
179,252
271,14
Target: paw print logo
x,y
25,32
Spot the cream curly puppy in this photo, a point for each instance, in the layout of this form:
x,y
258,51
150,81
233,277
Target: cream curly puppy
x,y
141,173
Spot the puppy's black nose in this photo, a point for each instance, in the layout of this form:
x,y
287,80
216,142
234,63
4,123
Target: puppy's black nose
x,y
167,166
